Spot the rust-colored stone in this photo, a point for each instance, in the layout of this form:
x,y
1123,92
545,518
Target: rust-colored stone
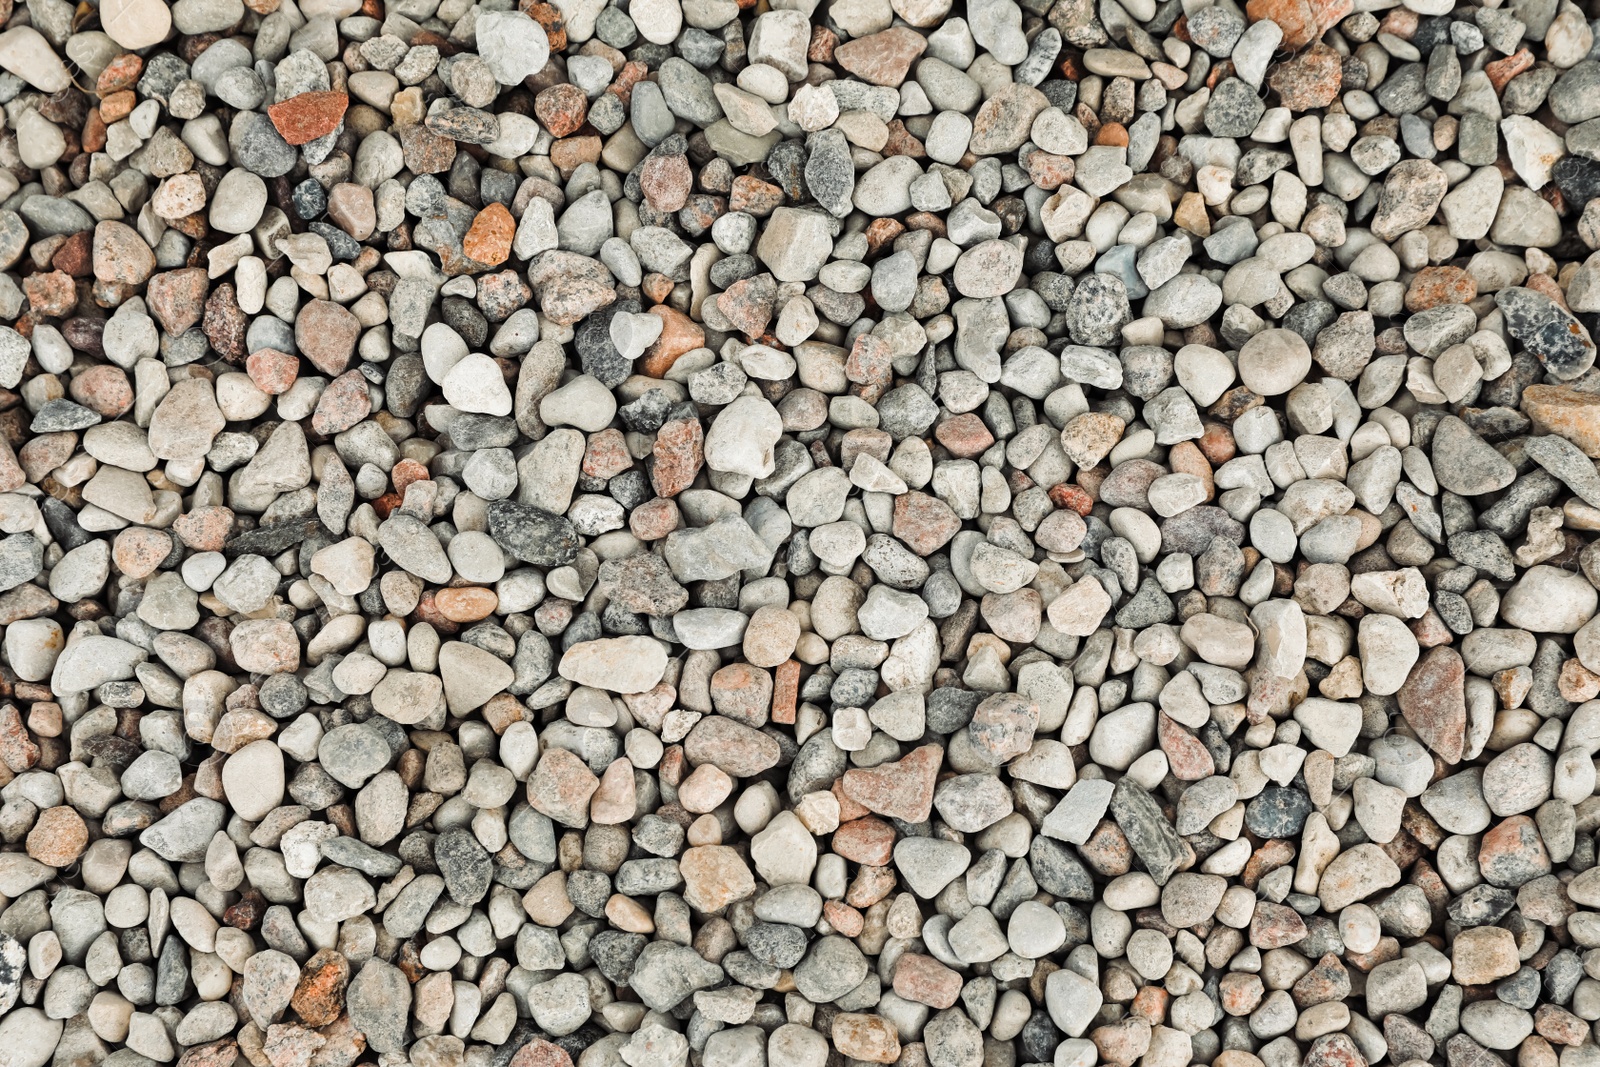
x,y
965,436
539,1052
204,529
882,58
677,457
1567,412
654,519
1308,81
785,690
679,335
1326,982
925,980
272,371
488,240
1502,71
58,837
843,918
103,389
1189,759
1432,286
899,790
1433,701
466,604
139,550
925,523
1302,21
121,73
666,182
177,298
561,108
1063,495
17,750
868,840
319,997
754,196
1276,926
223,1053
1512,853
52,294
307,116
555,28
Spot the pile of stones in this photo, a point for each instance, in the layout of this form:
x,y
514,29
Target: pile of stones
x,y
767,533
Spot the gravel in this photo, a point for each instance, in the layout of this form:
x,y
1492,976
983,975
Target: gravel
x,y
667,532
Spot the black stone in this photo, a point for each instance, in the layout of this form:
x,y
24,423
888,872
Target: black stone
x,y
1547,330
1058,870
343,247
1578,178
598,355
271,540
62,522
613,953
1039,1037
1277,812
309,199
532,534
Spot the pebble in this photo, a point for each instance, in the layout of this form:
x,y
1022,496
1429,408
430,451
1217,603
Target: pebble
x,y
684,532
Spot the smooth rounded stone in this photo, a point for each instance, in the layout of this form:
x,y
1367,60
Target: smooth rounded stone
x,y
1274,361
32,647
151,776
1517,780
1388,651
471,676
378,987
987,269
353,753
1496,1025
1465,463
833,967
1549,600
1400,762
253,779
1072,1001
237,204
30,1036
742,438
930,864
975,801
796,243
513,45
709,628
475,384
183,835
1457,802
136,24
618,665
888,614
1034,930
584,402
886,188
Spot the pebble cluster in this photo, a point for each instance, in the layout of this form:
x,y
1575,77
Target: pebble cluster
x,y
757,533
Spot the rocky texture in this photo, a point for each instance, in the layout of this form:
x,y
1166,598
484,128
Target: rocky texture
x,y
786,534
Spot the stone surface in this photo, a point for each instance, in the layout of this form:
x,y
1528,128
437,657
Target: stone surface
x,y
684,532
